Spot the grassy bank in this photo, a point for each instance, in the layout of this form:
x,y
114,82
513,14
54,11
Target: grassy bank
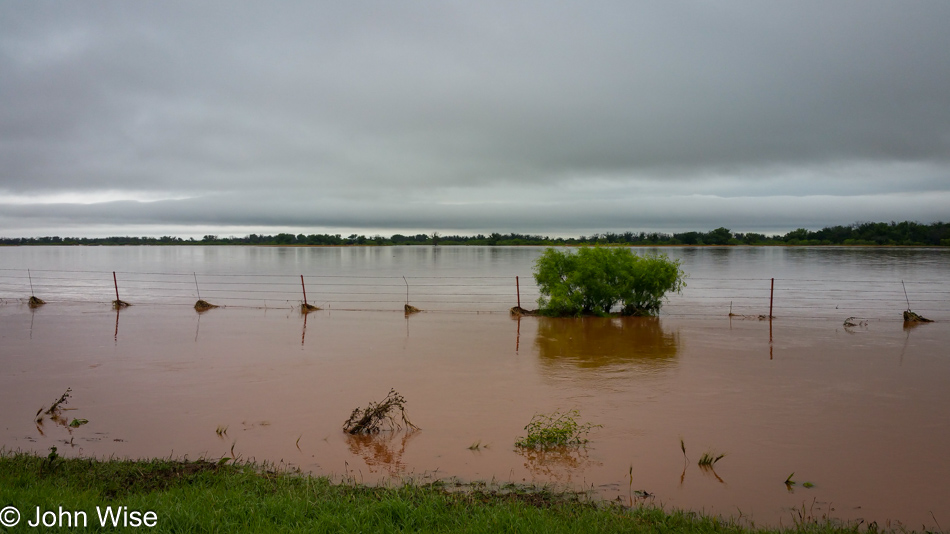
x,y
207,497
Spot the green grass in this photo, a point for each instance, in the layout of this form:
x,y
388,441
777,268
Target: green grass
x,y
555,430
203,496
709,459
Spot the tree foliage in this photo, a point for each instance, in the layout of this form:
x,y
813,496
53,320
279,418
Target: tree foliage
x,y
596,279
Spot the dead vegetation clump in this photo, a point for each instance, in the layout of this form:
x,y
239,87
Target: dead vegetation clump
x,y
911,317
854,321
119,304
411,309
518,311
55,408
55,414
307,308
378,416
35,302
203,305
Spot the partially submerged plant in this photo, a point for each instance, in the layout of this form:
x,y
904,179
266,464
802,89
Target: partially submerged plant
x,y
55,408
117,304
379,416
35,302
555,430
408,308
911,317
708,460
307,308
55,414
203,305
594,280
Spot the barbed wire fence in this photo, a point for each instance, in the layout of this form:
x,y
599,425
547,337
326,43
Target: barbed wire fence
x,y
703,297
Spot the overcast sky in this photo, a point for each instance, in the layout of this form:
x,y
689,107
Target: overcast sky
x,y
558,118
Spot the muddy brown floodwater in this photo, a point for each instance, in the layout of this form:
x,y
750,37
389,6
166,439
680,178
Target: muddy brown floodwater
x,y
862,413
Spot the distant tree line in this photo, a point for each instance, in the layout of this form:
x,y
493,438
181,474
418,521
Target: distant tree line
x,y
904,233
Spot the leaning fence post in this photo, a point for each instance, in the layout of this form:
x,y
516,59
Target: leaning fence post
x,y
518,289
201,305
771,297
409,308
305,307
35,302
117,303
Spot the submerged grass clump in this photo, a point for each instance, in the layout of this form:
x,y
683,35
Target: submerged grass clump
x,y
203,305
379,416
911,317
518,311
709,460
35,302
307,308
555,430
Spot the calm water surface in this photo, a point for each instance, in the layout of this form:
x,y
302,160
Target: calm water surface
x,y
830,283
863,413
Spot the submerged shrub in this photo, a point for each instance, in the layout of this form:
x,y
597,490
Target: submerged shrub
x,y
595,279
555,430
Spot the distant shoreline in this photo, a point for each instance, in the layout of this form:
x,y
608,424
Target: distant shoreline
x,y
903,234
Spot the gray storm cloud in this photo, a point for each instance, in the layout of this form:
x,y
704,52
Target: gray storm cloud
x,y
478,116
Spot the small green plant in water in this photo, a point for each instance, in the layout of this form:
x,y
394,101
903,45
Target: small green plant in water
x,y
708,460
555,430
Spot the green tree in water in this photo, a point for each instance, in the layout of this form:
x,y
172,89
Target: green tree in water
x,y
594,280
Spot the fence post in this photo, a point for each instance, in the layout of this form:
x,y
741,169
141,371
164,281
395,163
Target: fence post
x,y
771,297
518,289
116,282
304,290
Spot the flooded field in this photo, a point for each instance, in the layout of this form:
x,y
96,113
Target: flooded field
x,y
859,413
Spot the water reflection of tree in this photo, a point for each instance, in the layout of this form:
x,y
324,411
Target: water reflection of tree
x,y
593,342
557,464
381,451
